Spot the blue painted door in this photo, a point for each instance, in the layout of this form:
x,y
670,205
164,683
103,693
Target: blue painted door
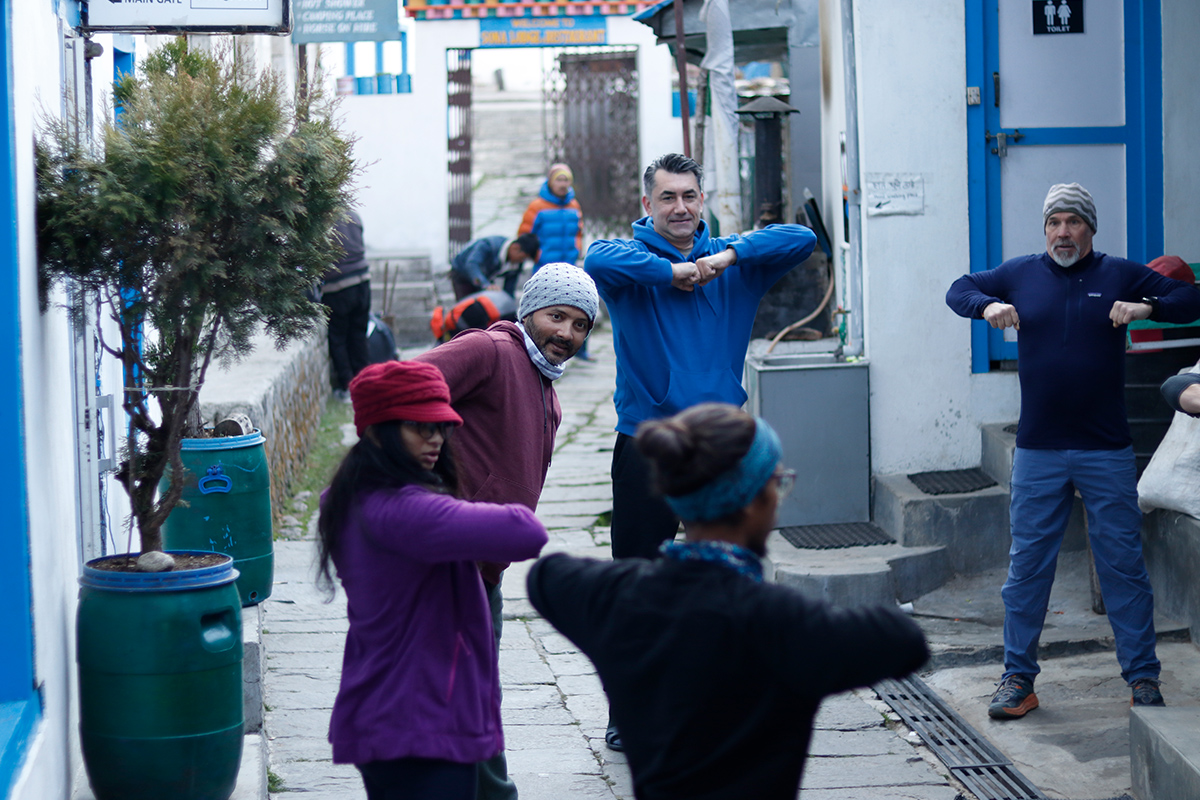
x,y
1056,103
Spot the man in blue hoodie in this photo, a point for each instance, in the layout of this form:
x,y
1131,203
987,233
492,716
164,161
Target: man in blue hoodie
x,y
682,306
1071,306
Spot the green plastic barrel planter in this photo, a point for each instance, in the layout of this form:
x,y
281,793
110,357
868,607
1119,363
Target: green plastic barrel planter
x,y
227,488
160,681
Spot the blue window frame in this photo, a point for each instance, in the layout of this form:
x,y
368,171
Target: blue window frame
x,y
19,705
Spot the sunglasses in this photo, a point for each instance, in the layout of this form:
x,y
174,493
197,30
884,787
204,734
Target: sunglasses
x,y
427,430
785,481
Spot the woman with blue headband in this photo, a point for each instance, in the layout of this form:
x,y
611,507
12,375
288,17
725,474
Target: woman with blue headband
x,y
714,676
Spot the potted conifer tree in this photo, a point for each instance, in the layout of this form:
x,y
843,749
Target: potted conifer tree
x,y
202,214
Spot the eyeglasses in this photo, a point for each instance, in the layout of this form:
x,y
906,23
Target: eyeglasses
x,y
785,480
426,430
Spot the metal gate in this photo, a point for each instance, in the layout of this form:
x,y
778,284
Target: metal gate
x,y
458,125
590,99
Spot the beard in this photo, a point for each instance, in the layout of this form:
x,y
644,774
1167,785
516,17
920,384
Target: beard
x,y
543,341
1068,259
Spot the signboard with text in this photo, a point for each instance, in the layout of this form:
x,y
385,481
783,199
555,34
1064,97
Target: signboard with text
x,y
542,31
1057,16
346,21
188,16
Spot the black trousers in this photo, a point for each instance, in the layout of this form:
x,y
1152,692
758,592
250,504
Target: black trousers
x,y
641,519
418,779
349,312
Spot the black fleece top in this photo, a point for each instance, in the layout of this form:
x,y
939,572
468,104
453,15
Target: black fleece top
x,y
1071,360
714,678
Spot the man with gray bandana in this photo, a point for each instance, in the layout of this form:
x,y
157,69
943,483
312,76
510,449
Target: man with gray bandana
x,y
502,384
1071,305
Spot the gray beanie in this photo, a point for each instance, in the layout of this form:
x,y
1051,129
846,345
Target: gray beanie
x,y
559,284
1072,198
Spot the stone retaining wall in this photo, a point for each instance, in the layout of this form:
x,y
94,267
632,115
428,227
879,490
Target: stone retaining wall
x,y
284,394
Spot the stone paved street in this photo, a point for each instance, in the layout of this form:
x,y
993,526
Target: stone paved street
x,y
554,708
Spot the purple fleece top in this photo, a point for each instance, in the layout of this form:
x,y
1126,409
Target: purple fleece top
x,y
419,673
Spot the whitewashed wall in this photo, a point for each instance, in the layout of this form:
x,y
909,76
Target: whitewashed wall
x,y
926,406
402,137
48,428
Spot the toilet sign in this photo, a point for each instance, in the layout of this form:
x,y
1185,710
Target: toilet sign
x,y
188,16
1057,16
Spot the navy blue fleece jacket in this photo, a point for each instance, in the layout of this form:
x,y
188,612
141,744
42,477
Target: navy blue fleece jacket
x,y
1071,360
675,348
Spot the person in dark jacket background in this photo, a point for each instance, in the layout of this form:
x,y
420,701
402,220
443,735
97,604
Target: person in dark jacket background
x,y
1070,306
473,269
713,676
346,290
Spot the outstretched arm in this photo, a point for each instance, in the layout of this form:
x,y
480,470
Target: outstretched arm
x,y
1182,393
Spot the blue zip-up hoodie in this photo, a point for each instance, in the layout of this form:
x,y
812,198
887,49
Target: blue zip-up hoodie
x,y
674,348
1071,360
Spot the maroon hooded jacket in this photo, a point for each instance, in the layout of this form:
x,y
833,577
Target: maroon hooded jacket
x,y
510,416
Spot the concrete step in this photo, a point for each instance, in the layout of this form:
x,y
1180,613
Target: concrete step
x,y
964,619
972,526
857,576
1171,544
1165,752
998,447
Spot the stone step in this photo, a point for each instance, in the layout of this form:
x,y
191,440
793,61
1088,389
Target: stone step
x,y
400,267
857,576
1165,752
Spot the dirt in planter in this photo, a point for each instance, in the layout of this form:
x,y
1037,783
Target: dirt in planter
x,y
128,563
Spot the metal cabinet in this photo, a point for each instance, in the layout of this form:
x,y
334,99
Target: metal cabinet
x,y
819,406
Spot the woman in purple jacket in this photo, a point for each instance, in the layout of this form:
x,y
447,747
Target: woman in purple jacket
x,y
419,700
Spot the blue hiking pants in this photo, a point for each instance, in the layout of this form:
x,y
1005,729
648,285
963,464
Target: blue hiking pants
x,y
1043,489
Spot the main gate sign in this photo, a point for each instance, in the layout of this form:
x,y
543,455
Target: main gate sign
x,y
188,16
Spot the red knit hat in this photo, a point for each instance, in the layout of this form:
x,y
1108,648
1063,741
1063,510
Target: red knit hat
x,y
1173,267
400,390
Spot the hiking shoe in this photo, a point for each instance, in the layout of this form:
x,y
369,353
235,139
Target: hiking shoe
x,y
1014,698
1146,693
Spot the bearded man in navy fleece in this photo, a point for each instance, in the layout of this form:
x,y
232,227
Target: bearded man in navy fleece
x,y
1070,306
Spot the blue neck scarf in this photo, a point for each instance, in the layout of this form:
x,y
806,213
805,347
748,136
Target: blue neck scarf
x,y
730,555
737,486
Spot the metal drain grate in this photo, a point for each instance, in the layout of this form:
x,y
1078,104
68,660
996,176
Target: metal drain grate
x,y
973,759
953,481
829,537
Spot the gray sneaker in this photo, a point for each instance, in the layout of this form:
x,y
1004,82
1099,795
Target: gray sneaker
x,y
1014,698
